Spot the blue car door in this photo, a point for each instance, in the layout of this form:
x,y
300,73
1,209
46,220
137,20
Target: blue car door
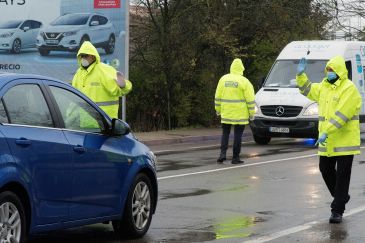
x,y
99,163
41,150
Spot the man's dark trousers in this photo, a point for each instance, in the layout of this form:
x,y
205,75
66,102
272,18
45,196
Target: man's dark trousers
x,y
238,131
337,180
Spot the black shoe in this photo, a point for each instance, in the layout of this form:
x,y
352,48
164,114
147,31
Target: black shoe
x,y
335,218
237,161
221,159
348,199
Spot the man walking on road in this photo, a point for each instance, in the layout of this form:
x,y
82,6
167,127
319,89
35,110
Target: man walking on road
x,y
235,103
339,104
99,81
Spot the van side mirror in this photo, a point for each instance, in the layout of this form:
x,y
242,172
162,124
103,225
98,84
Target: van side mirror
x,y
120,127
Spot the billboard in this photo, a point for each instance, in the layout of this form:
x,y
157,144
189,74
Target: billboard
x,y
43,37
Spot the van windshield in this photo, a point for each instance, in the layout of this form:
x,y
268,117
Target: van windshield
x,y
283,73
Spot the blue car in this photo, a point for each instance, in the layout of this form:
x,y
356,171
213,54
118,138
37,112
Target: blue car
x,y
65,163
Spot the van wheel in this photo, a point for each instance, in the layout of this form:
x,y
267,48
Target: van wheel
x,y
261,140
16,47
137,213
12,218
109,48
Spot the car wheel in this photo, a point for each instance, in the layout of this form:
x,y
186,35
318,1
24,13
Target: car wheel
x,y
261,140
43,52
109,48
137,214
12,218
16,47
83,39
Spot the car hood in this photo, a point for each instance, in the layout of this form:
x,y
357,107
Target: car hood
x,y
62,28
4,31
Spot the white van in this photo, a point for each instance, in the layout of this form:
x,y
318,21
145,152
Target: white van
x,y
281,111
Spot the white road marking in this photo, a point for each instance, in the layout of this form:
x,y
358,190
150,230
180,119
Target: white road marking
x,y
197,147
299,228
235,167
282,233
238,166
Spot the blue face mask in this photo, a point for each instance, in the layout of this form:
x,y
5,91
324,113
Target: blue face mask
x,y
331,76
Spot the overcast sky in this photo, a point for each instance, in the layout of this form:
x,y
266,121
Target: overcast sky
x,y
42,10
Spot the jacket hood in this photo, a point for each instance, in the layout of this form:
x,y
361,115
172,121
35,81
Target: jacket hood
x,y
338,65
88,48
237,67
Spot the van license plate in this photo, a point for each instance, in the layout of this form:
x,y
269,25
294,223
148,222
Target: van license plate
x,y
279,129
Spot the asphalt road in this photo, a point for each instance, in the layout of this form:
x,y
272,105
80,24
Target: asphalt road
x,y
277,195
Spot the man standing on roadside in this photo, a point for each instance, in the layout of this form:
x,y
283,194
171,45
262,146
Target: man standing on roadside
x,y
99,81
339,105
235,103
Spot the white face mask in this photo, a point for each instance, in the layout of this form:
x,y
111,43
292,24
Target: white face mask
x,y
84,62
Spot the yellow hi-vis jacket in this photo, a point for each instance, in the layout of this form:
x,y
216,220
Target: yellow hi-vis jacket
x,y
234,96
98,82
339,106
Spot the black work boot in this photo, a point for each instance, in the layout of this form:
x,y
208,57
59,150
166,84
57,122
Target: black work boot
x,y
237,160
348,199
222,157
335,218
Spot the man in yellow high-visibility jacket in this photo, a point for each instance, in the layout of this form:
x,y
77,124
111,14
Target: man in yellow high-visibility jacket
x,y
235,103
100,82
339,104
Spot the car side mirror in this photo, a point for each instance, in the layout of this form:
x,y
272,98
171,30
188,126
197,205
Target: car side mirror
x,y
94,23
120,127
25,29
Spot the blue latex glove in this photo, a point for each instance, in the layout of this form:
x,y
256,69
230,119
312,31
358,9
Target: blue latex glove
x,y
322,139
301,66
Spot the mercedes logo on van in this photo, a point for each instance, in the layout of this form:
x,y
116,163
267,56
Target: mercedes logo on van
x,y
279,111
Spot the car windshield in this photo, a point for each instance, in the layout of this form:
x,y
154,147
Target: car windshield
x,y
283,72
71,19
10,24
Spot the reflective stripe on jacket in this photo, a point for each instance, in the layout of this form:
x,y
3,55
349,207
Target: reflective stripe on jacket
x,y
234,96
98,82
339,107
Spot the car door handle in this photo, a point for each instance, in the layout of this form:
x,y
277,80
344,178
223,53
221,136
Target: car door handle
x,y
23,142
79,149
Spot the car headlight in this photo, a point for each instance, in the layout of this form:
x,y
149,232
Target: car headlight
x,y
312,110
153,158
69,33
7,35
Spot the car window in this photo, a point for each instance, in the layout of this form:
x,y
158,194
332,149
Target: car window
x,y
71,19
102,20
3,116
26,24
26,105
77,113
36,25
94,18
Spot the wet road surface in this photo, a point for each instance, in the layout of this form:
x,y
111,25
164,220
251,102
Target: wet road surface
x,y
277,196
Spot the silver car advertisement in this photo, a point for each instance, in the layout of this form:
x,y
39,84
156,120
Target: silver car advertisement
x,y
43,37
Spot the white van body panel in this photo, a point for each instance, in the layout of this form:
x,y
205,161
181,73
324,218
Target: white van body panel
x,y
286,95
